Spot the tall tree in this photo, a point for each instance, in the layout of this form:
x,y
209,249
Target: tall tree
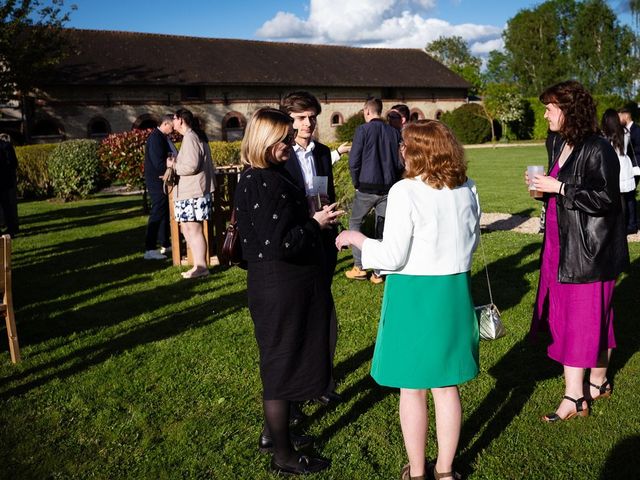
x,y
498,68
454,53
536,41
595,48
31,43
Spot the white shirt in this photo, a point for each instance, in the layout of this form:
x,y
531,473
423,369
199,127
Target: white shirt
x,y
426,231
307,165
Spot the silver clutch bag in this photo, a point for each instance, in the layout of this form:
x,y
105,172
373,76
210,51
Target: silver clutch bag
x,y
491,327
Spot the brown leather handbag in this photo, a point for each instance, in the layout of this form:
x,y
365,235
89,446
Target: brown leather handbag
x,y
231,253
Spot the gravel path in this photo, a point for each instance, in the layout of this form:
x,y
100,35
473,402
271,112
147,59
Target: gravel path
x,y
520,224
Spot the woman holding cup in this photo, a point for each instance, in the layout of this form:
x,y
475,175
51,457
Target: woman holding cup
x,y
584,248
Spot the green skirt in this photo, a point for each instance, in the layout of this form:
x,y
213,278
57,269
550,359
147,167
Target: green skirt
x,y
428,333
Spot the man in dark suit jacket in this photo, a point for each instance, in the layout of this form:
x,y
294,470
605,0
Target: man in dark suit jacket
x,y
157,149
8,185
634,154
312,158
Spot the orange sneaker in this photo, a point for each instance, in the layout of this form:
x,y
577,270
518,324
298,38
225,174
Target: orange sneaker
x,y
376,279
356,273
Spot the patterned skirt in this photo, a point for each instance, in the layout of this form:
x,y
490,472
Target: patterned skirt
x,y
192,209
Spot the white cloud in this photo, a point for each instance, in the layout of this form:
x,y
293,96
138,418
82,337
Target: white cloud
x,y
376,23
483,48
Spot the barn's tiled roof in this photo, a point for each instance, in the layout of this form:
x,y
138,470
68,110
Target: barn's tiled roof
x,y
125,58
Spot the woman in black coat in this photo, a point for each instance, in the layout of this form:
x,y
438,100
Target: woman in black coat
x,y
289,299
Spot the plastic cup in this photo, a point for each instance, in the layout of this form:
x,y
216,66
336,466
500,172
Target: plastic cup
x,y
532,171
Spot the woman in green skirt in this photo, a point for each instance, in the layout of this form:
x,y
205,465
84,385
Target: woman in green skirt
x,y
428,332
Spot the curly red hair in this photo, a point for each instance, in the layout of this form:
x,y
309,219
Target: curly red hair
x,y
433,153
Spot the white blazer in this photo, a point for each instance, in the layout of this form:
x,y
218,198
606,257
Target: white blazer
x,y
426,231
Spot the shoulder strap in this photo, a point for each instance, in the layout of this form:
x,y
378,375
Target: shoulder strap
x,y
486,270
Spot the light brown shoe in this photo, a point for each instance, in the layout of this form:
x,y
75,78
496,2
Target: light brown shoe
x,y
356,273
376,279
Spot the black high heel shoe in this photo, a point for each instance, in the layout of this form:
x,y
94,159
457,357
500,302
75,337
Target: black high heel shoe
x,y
580,411
303,466
299,442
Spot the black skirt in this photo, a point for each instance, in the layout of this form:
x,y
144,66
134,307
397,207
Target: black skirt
x,y
290,306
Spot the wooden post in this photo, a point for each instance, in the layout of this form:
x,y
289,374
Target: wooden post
x,y
175,233
7,299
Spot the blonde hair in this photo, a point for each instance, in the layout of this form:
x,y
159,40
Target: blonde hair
x,y
266,128
433,153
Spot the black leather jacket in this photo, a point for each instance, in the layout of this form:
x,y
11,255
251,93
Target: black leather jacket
x,y
593,241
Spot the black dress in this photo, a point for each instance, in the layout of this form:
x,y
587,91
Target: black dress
x,y
289,299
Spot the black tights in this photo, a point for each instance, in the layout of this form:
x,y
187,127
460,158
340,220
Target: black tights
x,y
276,415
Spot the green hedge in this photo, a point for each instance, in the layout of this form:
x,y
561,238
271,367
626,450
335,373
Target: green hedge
x,y
33,174
225,153
74,169
468,123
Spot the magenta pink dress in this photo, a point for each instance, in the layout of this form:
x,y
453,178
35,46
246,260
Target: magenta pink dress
x,y
579,315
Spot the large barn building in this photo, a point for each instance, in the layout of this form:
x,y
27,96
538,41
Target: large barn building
x,y
116,81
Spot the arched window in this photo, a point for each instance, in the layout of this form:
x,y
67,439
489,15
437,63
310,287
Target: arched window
x,y
98,128
416,114
438,114
336,119
233,125
144,122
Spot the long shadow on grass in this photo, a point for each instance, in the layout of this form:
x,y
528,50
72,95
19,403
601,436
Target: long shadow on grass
x,y
626,320
156,329
85,215
370,393
514,383
526,364
623,460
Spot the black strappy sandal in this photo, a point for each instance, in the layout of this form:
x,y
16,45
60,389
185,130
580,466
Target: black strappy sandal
x,y
604,390
580,411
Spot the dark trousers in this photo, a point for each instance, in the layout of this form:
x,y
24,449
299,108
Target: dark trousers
x,y
629,200
9,206
362,204
158,225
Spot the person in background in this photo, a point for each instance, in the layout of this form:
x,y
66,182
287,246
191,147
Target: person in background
x,y
375,166
633,133
584,249
399,116
428,333
9,185
613,131
157,149
310,159
192,200
288,293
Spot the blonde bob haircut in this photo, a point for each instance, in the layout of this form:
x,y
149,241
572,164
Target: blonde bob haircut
x,y
265,129
433,153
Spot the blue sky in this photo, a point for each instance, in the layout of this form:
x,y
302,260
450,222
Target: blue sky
x,y
375,23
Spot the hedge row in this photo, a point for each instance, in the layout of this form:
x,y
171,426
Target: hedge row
x,y
87,165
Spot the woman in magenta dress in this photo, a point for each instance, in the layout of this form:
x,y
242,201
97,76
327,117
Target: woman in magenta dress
x,y
584,249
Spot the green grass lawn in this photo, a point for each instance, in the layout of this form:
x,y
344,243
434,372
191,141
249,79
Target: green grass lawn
x,y
129,371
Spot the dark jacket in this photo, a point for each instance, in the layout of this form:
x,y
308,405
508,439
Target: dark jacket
x,y
273,218
634,145
374,159
156,152
8,166
593,241
322,161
